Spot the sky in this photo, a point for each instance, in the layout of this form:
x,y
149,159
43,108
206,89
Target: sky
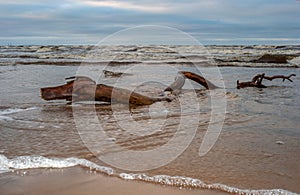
x,y
246,22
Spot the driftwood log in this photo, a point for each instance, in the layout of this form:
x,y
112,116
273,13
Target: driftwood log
x,y
180,80
199,79
82,88
85,89
257,80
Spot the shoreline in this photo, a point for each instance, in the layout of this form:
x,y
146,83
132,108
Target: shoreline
x,y
77,180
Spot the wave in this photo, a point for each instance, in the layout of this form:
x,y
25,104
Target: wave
x,y
257,65
73,62
32,162
8,111
188,182
291,64
265,58
15,110
75,55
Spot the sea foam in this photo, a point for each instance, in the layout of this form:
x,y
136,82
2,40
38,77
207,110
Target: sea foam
x,y
4,113
31,162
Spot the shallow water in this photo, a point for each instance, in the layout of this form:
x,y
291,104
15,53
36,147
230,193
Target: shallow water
x,y
258,147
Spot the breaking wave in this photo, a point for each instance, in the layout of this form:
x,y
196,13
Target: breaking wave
x,y
75,55
32,162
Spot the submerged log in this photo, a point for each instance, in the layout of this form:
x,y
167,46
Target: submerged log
x,y
257,80
108,73
85,89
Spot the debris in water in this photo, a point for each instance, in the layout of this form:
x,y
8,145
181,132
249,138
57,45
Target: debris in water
x,y
279,142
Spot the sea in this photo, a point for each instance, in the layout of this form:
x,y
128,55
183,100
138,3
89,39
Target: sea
x,y
240,141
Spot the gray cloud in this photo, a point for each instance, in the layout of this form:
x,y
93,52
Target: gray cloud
x,y
210,21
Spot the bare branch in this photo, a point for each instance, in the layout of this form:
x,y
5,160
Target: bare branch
x,y
257,80
280,77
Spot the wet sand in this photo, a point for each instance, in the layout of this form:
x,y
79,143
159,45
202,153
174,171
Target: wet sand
x,y
77,180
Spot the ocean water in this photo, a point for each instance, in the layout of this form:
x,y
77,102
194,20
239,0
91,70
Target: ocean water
x,y
257,151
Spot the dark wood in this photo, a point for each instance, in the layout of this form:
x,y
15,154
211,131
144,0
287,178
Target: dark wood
x,y
199,79
85,89
81,88
280,77
257,80
108,73
180,80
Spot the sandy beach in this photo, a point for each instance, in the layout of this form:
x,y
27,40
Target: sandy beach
x,y
77,180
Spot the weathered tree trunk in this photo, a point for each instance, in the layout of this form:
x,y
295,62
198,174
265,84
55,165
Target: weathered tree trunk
x,y
81,88
257,80
85,89
65,91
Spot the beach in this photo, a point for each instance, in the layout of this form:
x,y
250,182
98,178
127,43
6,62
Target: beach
x,y
79,181
52,146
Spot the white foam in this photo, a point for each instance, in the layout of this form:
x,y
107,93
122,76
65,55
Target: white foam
x,y
295,61
196,183
8,111
6,118
29,162
15,110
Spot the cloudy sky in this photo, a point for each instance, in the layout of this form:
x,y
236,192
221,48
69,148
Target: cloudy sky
x,y
208,21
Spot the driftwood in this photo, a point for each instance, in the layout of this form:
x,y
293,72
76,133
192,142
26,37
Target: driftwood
x,y
85,89
81,88
199,79
257,80
108,73
177,84
180,80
